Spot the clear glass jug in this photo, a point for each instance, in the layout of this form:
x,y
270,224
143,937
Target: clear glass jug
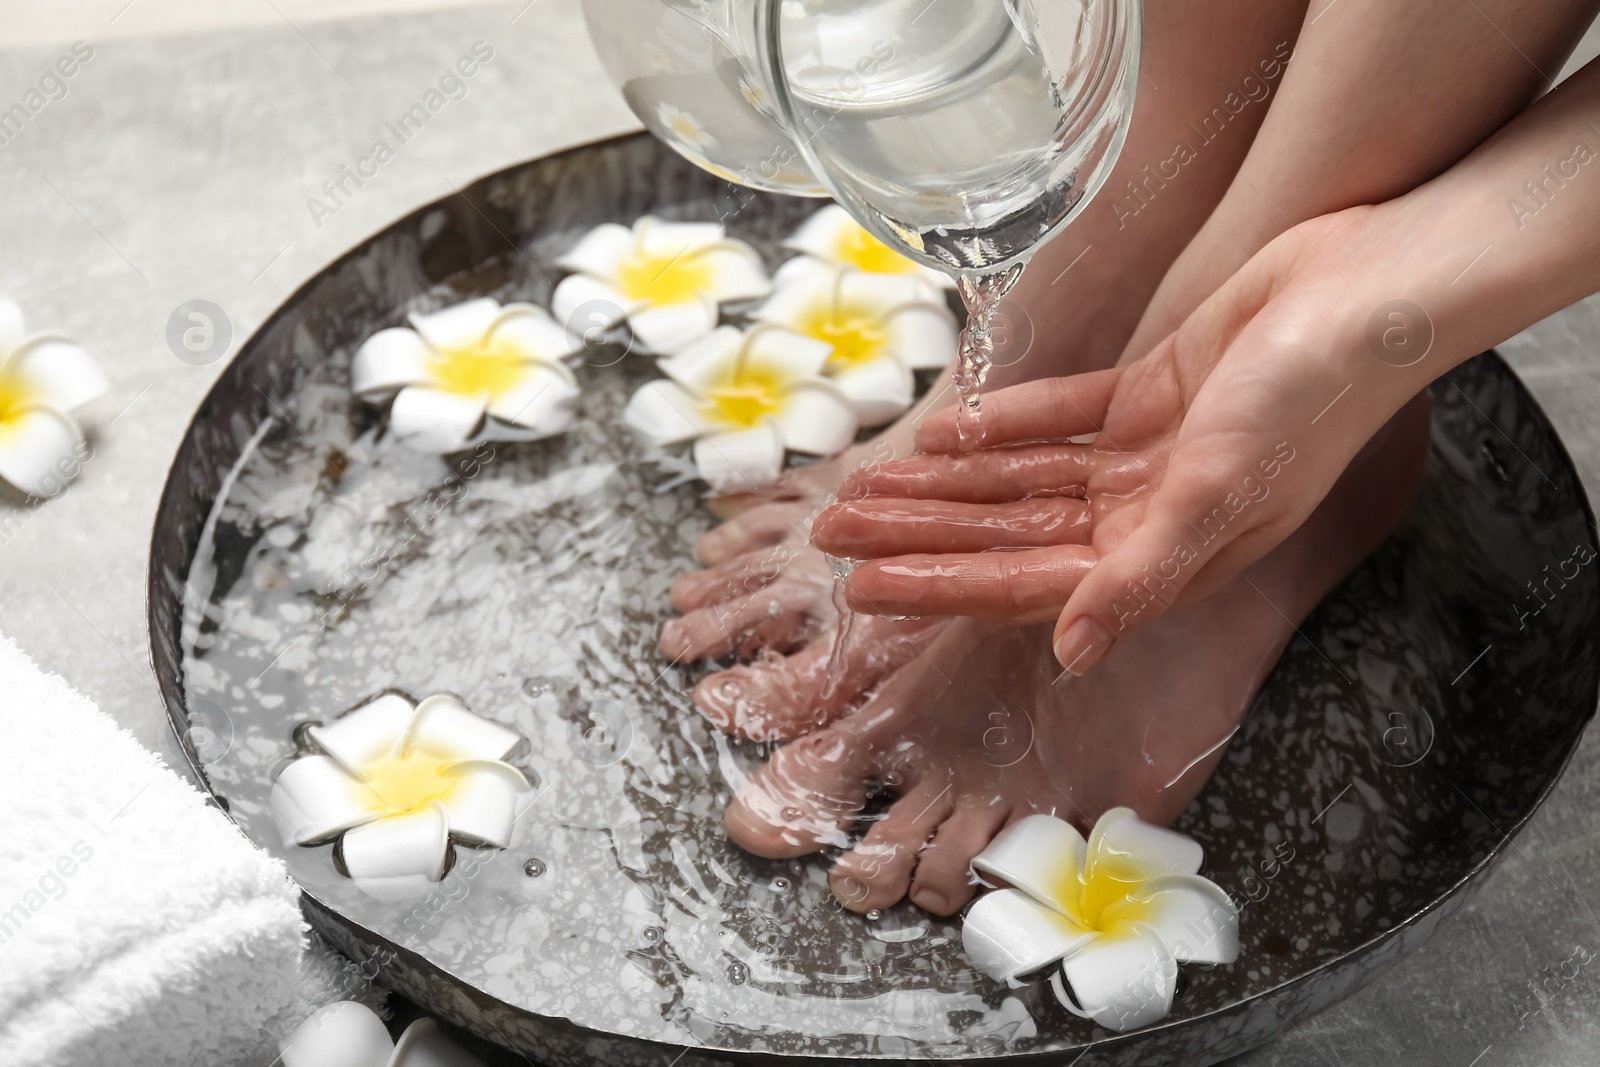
x,y
964,133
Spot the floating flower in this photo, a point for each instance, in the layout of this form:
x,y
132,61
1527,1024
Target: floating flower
x,y
1117,914
43,377
396,783
747,397
470,373
879,327
832,236
350,1034
666,278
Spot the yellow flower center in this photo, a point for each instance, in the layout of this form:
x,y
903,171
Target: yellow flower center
x,y
1108,893
661,280
15,398
744,398
865,252
406,782
491,367
856,336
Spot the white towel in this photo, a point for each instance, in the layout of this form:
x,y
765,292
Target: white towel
x,y
137,925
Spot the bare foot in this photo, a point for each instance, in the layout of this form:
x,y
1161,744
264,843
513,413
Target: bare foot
x,y
983,730
768,598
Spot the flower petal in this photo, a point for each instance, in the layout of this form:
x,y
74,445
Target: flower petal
x,y
358,737
542,401
823,234
737,272
817,419
1196,920
534,333
1006,935
742,460
13,327
57,373
431,420
314,800
923,336
663,412
1122,840
342,1034
1122,980
458,326
37,446
801,297
707,361
669,328
482,805
599,252
1040,855
601,303
879,390
784,354
858,287
413,844
801,270
424,1045
667,240
389,359
443,727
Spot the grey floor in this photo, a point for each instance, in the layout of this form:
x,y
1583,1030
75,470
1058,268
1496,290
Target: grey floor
x,y
178,168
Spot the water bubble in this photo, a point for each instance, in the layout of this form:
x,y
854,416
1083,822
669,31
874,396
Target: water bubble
x,y
534,868
728,689
792,814
893,779
537,687
780,885
738,973
874,915
652,934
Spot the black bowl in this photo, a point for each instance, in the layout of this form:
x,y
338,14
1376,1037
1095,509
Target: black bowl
x,y
1424,713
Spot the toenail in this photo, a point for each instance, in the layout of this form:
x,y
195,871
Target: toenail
x,y
931,900
1083,644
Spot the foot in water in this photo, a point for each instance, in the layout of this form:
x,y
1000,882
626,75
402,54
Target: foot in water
x,y
981,729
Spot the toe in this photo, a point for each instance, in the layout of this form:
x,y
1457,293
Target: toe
x,y
775,617
877,872
732,579
760,526
777,699
943,883
803,799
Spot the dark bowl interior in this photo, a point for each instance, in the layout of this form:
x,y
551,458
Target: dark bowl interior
x,y
1425,711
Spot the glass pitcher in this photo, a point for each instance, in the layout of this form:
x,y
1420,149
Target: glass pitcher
x,y
964,133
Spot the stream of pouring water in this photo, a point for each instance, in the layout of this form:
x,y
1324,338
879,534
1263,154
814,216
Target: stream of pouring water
x,y
982,294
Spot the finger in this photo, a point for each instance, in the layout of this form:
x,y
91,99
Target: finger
x,y
755,528
1182,529
780,698
888,526
1012,587
1048,409
774,617
989,477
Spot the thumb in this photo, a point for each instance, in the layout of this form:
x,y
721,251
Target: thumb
x,y
1136,582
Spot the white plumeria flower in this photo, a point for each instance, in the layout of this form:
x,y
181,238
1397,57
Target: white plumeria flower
x,y
472,372
43,377
880,328
832,236
666,278
746,398
1117,913
347,1033
399,781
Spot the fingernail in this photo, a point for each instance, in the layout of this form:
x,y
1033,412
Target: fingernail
x,y
1083,644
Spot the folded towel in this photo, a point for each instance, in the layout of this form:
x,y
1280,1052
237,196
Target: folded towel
x,y
137,925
